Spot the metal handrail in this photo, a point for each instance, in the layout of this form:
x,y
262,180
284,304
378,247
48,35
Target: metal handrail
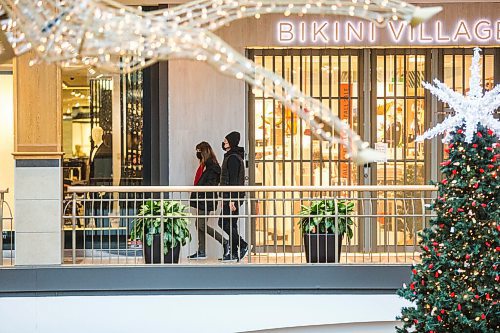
x,y
159,189
2,195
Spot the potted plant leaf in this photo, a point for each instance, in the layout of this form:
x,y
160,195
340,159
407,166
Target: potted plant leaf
x,y
318,228
148,229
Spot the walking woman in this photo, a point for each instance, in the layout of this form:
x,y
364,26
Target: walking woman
x,y
207,174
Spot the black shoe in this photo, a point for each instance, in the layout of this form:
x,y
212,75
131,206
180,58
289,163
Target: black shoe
x,y
199,255
226,248
229,258
244,251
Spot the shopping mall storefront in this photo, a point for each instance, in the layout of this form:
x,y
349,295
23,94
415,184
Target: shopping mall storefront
x,y
370,77
145,126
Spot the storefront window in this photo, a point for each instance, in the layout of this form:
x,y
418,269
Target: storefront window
x,y
102,128
285,150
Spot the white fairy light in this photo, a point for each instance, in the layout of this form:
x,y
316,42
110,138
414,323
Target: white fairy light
x,y
76,31
470,110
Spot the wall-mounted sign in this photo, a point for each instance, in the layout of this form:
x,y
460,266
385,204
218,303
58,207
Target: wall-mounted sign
x,y
324,32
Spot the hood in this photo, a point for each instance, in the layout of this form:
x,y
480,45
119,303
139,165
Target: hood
x,y
236,150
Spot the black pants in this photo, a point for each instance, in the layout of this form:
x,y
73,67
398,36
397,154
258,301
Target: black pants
x,y
229,223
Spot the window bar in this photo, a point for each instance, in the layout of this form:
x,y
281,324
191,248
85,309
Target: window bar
x,y
405,110
292,161
265,136
283,147
311,146
463,73
394,110
330,105
275,226
320,88
339,103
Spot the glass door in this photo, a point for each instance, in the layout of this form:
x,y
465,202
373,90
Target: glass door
x,y
283,150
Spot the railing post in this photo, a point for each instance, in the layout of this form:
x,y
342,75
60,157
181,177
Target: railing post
x,y
73,230
335,200
162,231
248,231
1,227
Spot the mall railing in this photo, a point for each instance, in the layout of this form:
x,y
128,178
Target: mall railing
x,y
105,225
7,252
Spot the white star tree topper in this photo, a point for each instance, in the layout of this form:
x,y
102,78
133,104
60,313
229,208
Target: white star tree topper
x,y
470,110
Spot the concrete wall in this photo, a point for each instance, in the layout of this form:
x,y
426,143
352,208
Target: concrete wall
x,y
193,313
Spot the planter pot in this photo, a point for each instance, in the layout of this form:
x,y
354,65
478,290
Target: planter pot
x,y
320,248
152,253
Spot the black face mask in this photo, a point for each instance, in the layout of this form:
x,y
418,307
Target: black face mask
x,y
223,146
198,155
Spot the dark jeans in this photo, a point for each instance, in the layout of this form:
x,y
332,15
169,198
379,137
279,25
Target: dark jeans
x,y
203,229
229,223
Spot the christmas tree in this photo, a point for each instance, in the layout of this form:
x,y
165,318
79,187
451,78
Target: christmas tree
x,y
456,286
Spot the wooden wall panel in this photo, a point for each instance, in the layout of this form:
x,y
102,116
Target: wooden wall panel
x,y
37,115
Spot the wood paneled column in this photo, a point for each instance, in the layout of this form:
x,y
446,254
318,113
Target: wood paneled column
x,y
38,168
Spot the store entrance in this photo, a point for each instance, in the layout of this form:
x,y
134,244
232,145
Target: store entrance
x,y
283,149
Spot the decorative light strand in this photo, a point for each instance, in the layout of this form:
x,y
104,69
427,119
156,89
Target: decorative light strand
x,y
110,36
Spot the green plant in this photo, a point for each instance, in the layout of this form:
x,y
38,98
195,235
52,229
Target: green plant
x,y
320,216
175,223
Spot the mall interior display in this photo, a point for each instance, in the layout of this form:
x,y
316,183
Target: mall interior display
x,y
155,214
324,225
116,38
477,107
455,287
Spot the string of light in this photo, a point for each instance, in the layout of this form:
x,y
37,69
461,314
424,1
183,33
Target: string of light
x,y
115,38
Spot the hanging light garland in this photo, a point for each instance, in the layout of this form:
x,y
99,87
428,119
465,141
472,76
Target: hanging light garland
x,y
112,37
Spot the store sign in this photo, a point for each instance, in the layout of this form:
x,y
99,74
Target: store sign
x,y
439,32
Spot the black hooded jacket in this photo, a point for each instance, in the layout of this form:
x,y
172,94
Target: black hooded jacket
x,y
209,177
233,171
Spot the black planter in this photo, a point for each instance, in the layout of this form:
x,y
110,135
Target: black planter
x,y
320,248
152,253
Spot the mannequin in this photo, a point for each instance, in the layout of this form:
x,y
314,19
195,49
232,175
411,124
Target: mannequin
x,y
97,133
101,164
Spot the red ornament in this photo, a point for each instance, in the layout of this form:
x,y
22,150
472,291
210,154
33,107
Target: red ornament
x,y
452,294
481,170
426,248
489,148
431,266
491,166
459,307
487,244
437,274
439,318
445,163
450,210
441,225
454,172
422,282
442,311
476,296
490,132
460,131
483,205
412,286
435,243
446,150
414,271
444,181
497,249
467,256
488,296
473,204
415,321
483,316
476,185
460,210
479,134
474,145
